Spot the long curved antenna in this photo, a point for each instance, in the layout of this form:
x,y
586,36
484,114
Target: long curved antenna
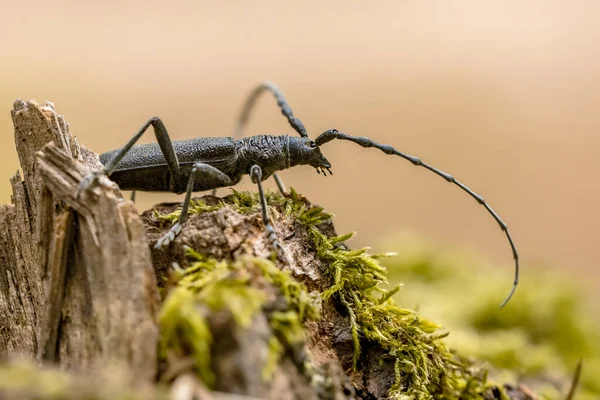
x,y
286,110
331,134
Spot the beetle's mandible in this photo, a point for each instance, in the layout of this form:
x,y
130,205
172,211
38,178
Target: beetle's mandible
x,y
209,163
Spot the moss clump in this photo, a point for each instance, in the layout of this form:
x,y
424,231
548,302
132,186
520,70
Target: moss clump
x,y
424,367
197,206
537,338
212,285
184,331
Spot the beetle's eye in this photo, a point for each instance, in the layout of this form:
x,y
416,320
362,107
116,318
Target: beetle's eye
x,y
311,144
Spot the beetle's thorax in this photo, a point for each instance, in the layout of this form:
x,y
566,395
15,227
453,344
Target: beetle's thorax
x,y
271,153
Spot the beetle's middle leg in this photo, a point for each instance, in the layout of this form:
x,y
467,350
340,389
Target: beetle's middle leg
x,y
198,170
164,142
256,176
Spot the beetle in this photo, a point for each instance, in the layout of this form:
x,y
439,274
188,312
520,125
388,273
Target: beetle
x,y
204,163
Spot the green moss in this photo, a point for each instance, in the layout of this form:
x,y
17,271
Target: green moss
x,y
425,368
219,285
305,304
184,331
542,332
212,284
197,206
275,353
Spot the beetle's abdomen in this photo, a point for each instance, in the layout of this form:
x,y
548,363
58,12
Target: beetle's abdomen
x,y
205,150
144,167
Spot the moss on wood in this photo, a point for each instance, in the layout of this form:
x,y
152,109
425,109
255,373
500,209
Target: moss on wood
x,y
355,283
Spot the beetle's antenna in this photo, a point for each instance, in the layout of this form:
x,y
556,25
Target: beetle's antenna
x,y
331,134
286,110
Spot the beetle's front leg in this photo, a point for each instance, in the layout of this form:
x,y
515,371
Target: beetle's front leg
x,y
164,142
256,175
198,170
89,180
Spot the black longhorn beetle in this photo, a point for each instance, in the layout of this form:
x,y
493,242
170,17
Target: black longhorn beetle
x,y
201,164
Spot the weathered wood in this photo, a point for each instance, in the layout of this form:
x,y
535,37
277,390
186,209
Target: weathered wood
x,y
57,268
106,285
21,289
44,227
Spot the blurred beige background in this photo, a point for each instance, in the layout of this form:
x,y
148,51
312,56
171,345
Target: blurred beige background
x,y
504,95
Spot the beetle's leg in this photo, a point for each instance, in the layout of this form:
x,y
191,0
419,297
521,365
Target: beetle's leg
x,y
256,175
197,170
133,196
279,183
166,146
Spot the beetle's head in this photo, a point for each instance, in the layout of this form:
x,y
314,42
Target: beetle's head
x,y
304,151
